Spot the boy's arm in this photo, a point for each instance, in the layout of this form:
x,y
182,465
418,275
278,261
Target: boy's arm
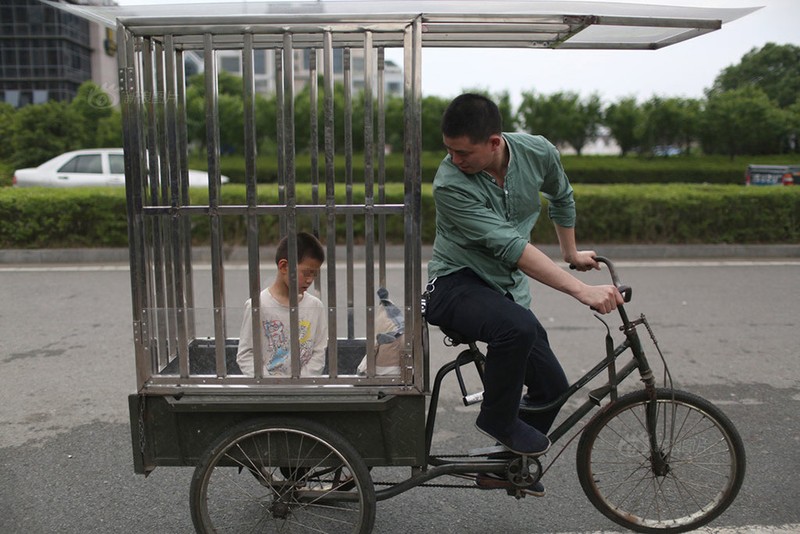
x,y
316,364
244,356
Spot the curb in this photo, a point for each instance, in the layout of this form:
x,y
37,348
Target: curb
x,y
395,253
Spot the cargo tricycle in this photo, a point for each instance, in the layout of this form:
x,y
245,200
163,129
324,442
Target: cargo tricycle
x,y
294,452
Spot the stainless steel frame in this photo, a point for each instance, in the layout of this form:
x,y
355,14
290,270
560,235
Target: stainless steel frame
x,y
152,45
160,211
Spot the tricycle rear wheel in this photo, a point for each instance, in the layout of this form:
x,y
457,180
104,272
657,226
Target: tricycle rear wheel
x,y
282,475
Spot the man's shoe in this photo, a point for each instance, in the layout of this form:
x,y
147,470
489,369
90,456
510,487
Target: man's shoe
x,y
520,438
491,481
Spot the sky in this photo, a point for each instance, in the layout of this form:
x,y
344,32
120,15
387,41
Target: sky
x,y
683,70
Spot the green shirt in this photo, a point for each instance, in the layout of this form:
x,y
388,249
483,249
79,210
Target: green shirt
x,y
485,227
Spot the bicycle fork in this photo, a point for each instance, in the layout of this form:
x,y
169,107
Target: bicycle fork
x,y
658,458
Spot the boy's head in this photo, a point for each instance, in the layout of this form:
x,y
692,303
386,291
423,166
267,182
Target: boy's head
x,y
310,256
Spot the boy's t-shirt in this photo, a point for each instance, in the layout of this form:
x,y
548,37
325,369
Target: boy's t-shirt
x,y
275,340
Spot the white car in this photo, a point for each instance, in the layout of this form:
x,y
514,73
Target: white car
x,y
98,167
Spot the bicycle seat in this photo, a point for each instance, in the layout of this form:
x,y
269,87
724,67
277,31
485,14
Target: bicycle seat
x,y
456,338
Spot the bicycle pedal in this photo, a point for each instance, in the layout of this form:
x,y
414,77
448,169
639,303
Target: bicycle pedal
x,y
473,398
488,482
503,454
487,451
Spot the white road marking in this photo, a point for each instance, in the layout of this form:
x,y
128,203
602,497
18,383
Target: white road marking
x,y
793,528
240,266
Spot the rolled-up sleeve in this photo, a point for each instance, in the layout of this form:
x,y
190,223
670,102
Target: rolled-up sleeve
x,y
244,354
558,192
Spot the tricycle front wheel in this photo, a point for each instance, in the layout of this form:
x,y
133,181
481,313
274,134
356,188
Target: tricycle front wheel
x,y
282,475
691,476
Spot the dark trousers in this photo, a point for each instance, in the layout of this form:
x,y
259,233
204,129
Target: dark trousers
x,y
518,353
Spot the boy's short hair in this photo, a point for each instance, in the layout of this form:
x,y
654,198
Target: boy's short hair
x,y
472,115
308,246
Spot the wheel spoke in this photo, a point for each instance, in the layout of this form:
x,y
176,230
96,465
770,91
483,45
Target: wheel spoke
x,y
298,476
691,478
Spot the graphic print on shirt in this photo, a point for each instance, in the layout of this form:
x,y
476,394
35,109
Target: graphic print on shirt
x,y
279,346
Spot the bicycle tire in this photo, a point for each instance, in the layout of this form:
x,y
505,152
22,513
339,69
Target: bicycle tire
x,y
282,475
704,452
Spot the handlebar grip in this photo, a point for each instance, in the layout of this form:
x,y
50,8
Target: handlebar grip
x,y
625,290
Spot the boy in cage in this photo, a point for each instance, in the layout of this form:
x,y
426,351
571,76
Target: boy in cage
x,y
275,328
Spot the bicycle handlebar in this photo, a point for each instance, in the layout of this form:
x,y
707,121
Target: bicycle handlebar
x,y
625,290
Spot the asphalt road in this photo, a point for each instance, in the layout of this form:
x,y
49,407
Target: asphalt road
x,y
729,329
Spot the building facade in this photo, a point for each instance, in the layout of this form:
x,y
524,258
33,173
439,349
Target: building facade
x,y
264,71
46,53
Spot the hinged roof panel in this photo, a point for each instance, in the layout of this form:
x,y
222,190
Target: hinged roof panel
x,y
461,23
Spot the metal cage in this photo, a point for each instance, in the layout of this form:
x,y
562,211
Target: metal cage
x,y
168,342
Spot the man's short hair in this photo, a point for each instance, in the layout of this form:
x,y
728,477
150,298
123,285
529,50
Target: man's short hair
x,y
472,115
308,246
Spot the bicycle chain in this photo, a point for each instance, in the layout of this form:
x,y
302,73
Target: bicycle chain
x,y
428,485
432,485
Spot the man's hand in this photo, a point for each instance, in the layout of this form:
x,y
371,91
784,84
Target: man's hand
x,y
602,299
583,260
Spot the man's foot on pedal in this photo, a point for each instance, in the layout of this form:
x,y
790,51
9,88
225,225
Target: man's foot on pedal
x,y
491,481
518,437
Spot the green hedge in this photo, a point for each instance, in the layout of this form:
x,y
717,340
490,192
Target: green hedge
x,y
581,170
605,170
45,218
267,167
686,214
675,214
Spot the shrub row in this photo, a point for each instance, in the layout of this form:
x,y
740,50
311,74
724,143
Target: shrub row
x,y
581,170
673,214
48,218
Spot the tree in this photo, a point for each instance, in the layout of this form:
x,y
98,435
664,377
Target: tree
x,y
625,120
432,110
395,109
583,127
302,119
670,122
743,121
230,106
543,115
690,111
7,112
93,105
561,117
793,139
109,130
43,131
775,69
266,110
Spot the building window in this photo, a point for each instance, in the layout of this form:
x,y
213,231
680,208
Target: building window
x,y
232,64
260,61
338,60
12,97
